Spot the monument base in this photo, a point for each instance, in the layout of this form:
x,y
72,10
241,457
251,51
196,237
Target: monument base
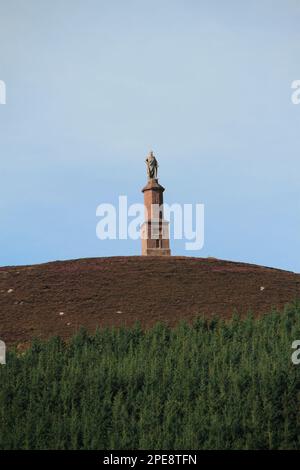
x,y
157,252
155,238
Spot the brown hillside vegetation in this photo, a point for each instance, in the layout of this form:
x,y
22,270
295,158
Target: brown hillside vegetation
x,y
57,298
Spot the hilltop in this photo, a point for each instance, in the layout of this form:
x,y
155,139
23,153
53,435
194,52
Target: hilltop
x,y
57,298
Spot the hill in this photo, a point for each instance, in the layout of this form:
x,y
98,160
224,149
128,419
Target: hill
x,y
57,298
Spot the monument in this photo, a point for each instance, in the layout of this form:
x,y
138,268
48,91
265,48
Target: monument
x,y
155,230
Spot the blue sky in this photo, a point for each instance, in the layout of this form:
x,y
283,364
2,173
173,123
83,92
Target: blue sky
x,y
92,85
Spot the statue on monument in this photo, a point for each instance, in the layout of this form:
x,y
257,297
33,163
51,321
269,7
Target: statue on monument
x,y
152,166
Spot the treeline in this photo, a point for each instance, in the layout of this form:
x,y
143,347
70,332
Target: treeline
x,y
210,385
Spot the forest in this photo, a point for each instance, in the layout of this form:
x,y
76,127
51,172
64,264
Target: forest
x,y
213,384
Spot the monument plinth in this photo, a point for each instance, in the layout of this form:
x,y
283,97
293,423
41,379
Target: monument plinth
x,y
155,230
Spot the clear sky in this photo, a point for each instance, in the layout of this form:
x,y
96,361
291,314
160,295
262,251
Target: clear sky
x,y
92,85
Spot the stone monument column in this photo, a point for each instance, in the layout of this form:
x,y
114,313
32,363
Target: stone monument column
x,y
155,230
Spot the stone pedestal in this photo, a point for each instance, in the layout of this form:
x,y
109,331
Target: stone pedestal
x,y
155,230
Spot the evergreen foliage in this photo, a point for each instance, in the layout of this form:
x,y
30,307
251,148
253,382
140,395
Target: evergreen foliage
x,y
210,385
